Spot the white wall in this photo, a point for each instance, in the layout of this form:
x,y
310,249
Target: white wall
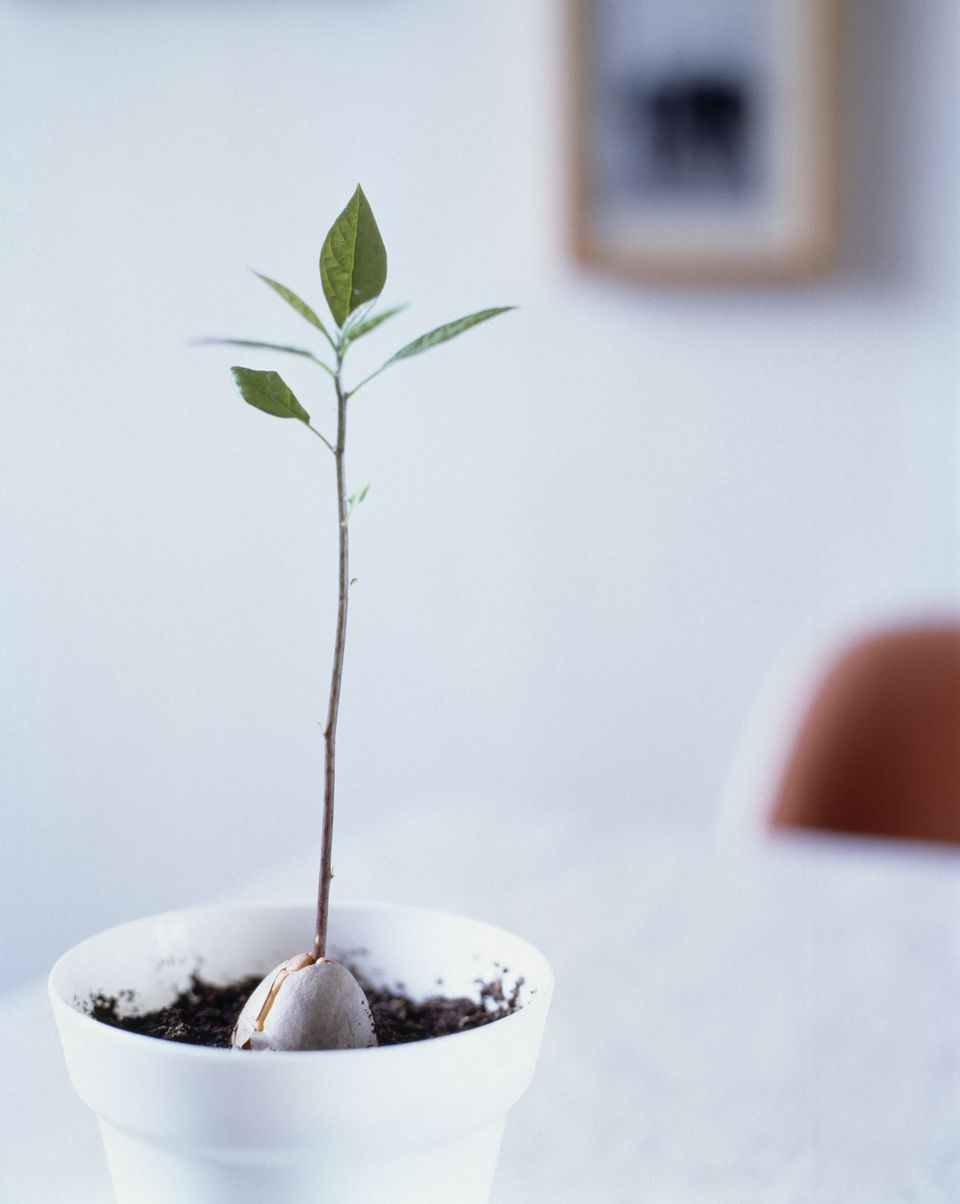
x,y
591,527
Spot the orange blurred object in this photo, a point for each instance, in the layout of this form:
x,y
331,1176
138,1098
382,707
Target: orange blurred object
x,y
878,750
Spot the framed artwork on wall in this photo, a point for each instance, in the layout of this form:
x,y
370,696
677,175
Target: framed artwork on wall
x,y
706,137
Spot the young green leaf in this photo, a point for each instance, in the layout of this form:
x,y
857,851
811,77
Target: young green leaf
x,y
353,261
291,298
443,334
267,391
257,345
356,498
363,328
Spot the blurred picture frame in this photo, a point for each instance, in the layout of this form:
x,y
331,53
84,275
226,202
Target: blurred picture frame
x,y
706,138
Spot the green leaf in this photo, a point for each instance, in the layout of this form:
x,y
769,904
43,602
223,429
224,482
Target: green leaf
x,y
363,328
443,334
291,298
353,261
356,498
307,354
267,391
256,344
359,315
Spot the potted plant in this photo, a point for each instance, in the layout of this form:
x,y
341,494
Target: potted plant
x,y
314,1093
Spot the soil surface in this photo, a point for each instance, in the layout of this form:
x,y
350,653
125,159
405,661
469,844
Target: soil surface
x,y
201,1015
399,1019
205,1014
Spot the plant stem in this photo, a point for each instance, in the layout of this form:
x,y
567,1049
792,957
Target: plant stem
x,y
330,732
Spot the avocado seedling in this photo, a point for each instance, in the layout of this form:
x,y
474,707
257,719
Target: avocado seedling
x,y
311,1001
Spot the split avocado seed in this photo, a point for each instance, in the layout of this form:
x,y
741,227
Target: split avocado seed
x,y
306,1003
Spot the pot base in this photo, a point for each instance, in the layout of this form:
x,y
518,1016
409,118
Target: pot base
x,y
147,1174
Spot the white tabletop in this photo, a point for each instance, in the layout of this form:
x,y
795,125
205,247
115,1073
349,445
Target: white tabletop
x,y
769,1025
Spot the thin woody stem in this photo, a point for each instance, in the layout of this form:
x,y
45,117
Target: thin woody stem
x,y
330,732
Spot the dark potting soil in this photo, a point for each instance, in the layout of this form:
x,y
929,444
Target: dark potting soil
x,y
201,1015
400,1019
204,1014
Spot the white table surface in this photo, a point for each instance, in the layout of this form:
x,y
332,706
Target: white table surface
x,y
775,1024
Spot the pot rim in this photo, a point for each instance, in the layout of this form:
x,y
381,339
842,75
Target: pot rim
x,y
179,1049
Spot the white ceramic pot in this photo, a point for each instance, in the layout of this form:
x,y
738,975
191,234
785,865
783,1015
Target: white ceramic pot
x,y
412,1124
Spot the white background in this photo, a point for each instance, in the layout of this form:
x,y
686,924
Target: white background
x,y
593,525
